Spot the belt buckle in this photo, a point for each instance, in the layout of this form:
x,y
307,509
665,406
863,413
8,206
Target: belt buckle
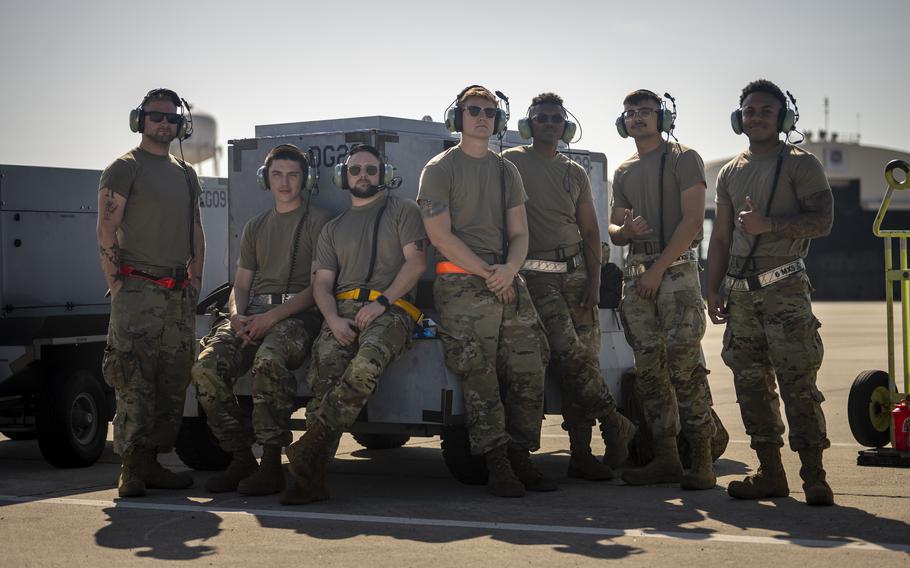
x,y
363,295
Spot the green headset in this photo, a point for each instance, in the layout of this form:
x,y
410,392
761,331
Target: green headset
x,y
386,171
665,117
184,128
262,176
786,118
526,129
454,119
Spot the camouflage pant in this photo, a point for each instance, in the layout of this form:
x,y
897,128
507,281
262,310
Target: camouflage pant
x,y
665,335
500,352
223,359
343,378
574,337
773,333
147,361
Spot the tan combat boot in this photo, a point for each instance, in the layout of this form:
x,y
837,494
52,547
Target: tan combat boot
x,y
129,484
818,492
308,458
664,468
769,481
701,474
243,465
502,481
617,432
527,472
269,478
582,463
157,476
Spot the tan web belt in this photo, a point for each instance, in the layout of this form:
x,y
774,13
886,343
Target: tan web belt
x,y
636,270
553,266
270,299
759,281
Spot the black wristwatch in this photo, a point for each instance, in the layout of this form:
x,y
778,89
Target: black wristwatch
x,y
383,301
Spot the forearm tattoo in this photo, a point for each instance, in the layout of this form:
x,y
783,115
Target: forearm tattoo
x,y
430,209
815,220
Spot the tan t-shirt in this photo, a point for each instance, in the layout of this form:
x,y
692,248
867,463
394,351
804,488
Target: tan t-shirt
x,y
345,243
801,174
556,187
635,186
471,187
155,232
268,242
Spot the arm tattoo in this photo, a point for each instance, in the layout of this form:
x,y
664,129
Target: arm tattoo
x,y
111,254
430,209
110,207
815,220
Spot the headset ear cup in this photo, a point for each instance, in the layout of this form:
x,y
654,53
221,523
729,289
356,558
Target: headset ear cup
x,y
786,121
388,174
340,176
136,120
568,131
182,129
621,127
499,123
665,124
525,130
736,121
453,119
311,174
262,179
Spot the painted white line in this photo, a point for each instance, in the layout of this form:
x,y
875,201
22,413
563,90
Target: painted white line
x,y
837,444
845,543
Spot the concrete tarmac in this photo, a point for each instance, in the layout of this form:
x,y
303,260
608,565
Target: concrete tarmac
x,y
402,508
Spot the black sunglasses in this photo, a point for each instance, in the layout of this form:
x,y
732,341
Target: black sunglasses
x,y
158,116
545,118
355,170
488,112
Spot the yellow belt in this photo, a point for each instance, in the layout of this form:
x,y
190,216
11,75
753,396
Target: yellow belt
x,y
366,295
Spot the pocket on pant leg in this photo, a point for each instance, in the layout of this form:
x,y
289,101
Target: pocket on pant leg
x,y
118,367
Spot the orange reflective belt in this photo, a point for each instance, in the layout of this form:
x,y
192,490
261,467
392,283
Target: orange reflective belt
x,y
365,295
446,267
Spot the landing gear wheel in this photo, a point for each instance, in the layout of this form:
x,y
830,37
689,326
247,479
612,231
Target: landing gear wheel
x,y
456,451
381,441
198,448
72,420
869,408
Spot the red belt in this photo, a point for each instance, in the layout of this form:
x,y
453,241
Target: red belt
x,y
446,267
168,282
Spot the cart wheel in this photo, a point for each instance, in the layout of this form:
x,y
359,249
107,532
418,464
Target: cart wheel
x,y
72,419
381,441
869,408
198,448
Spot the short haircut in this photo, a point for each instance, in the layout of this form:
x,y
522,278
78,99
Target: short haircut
x,y
364,148
763,86
641,95
162,94
547,99
287,152
476,91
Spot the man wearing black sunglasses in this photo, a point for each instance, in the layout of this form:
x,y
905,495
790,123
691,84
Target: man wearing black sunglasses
x,y
367,263
662,308
472,202
563,274
152,251
271,326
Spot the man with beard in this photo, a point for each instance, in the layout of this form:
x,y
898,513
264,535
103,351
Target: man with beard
x,y
152,252
368,261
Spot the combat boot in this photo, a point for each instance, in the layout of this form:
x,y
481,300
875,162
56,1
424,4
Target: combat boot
x,y
582,463
769,481
243,465
617,432
269,478
314,488
308,457
129,484
664,468
502,481
527,472
701,473
817,490
157,476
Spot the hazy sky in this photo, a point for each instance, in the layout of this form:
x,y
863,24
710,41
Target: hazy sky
x,y
72,70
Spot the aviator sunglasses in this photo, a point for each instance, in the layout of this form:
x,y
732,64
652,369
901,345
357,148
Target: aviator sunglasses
x,y
355,170
158,116
488,112
545,118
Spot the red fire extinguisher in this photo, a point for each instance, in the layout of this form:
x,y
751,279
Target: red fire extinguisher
x,y
901,417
